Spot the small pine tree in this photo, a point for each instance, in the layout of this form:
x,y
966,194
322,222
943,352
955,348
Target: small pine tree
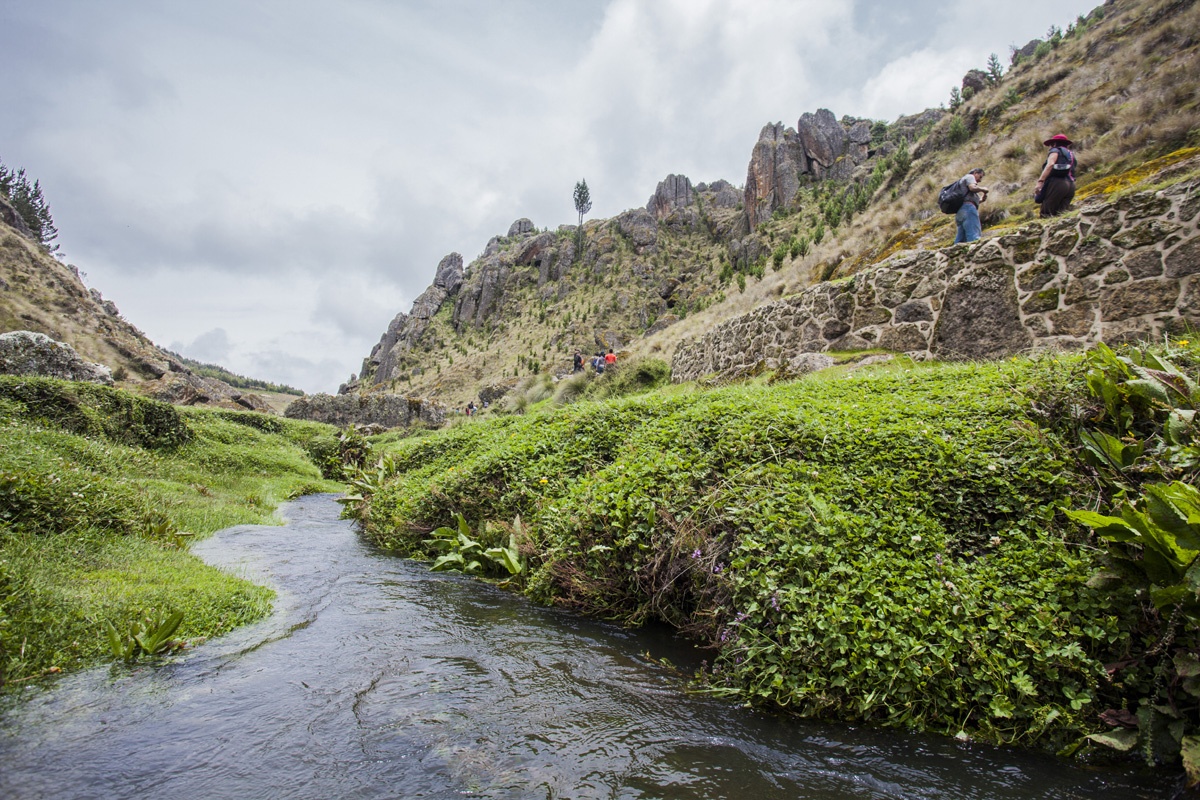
x,y
583,200
994,70
955,98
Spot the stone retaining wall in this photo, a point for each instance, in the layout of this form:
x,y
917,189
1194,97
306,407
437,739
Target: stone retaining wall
x,y
1115,272
388,410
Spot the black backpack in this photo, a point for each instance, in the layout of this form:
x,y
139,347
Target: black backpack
x,y
1064,167
952,196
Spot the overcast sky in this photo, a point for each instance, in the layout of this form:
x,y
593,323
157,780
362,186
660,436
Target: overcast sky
x,y
264,185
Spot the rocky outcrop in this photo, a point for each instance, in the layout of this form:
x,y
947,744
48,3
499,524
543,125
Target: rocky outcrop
x,y
405,330
187,389
773,177
673,193
1116,272
388,410
10,217
30,353
820,148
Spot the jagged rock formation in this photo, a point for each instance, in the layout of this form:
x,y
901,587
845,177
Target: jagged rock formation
x,y
818,148
1118,271
406,329
388,410
29,353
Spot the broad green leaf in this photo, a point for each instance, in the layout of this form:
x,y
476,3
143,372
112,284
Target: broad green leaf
x,y
1118,739
1113,528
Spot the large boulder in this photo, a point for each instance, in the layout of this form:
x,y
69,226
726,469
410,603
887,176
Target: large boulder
x,y
823,139
30,353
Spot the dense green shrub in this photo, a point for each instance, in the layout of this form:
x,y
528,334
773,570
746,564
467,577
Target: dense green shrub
x,y
90,409
884,547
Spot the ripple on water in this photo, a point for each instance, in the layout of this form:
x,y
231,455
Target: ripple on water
x,y
375,678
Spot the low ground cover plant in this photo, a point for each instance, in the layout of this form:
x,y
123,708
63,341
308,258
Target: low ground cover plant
x,y
887,546
100,491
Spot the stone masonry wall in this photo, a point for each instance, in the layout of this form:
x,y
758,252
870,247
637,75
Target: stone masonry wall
x,y
1115,272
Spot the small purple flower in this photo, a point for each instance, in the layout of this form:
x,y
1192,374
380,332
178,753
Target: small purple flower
x,y
717,568
938,558
775,601
696,553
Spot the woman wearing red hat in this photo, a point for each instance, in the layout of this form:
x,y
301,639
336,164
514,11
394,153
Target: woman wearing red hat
x,y
1056,185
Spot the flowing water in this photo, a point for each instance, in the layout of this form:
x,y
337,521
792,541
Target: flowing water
x,y
375,678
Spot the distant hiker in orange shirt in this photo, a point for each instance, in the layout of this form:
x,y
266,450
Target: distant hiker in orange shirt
x,y
610,359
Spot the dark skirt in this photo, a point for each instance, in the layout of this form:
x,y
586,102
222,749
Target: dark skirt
x,y
1057,194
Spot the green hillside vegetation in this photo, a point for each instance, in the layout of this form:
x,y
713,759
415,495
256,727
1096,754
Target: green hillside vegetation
x,y
233,379
888,544
100,492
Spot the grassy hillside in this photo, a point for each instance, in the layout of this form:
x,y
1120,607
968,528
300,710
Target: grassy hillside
x,y
883,544
1120,81
100,491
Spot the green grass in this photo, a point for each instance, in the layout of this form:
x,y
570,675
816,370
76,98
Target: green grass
x,y
884,545
99,492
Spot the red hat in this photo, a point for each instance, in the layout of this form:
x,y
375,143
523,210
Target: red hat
x,y
1057,138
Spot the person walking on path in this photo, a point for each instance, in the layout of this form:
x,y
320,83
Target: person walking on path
x,y
1055,188
967,219
578,361
610,359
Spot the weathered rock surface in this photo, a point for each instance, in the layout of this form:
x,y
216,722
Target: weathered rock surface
x,y
30,353
1116,272
406,329
187,389
10,217
388,410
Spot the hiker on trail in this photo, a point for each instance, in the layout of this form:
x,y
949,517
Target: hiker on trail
x,y
598,362
578,361
1056,185
610,359
967,219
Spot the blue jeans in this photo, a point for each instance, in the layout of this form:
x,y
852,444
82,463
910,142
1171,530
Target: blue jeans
x,y
969,228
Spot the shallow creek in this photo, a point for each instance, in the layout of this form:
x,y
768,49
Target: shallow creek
x,y
375,678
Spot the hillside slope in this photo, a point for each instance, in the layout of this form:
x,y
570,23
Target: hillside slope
x,y
821,201
40,294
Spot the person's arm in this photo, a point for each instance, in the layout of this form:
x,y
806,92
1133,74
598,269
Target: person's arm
x,y
1050,162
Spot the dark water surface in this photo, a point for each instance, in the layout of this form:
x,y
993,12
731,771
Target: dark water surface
x,y
378,679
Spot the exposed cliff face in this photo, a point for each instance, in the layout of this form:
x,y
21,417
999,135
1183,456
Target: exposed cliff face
x,y
1119,271
819,148
405,330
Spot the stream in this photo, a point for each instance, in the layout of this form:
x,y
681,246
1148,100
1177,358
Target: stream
x,y
375,678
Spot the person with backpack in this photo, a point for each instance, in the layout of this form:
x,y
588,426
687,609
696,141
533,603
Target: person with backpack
x,y
1056,185
967,217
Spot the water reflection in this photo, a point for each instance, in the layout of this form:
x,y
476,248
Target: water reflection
x,y
378,679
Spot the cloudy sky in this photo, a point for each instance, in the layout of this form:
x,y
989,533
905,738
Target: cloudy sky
x,y
264,185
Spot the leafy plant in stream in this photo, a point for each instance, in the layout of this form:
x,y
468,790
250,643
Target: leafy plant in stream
x,y
461,553
147,636
1145,462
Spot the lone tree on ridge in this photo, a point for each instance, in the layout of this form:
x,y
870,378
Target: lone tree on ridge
x,y
583,200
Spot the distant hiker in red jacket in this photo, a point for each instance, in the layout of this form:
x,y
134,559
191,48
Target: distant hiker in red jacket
x,y
610,359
